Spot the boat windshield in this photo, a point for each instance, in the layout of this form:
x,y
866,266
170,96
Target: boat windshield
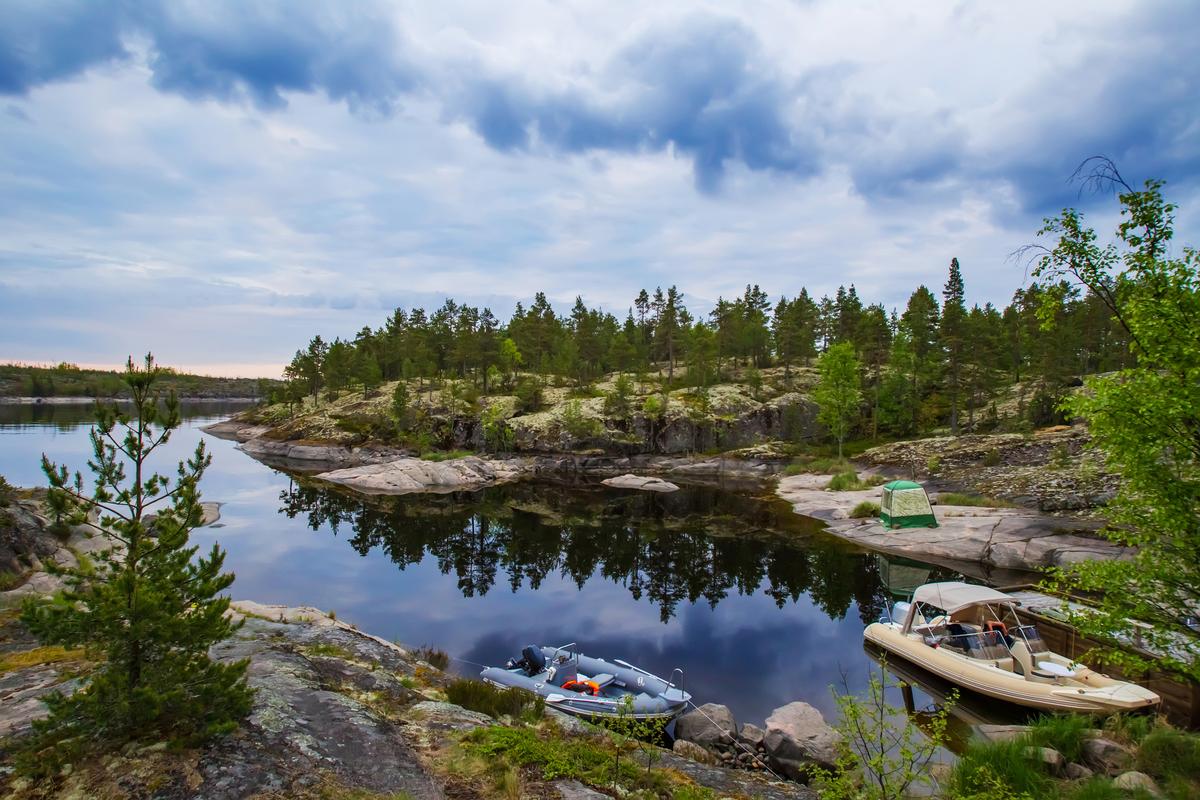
x,y
1031,636
987,645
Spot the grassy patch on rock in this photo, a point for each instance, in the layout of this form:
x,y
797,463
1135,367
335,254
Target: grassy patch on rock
x,y
850,481
41,656
865,510
976,500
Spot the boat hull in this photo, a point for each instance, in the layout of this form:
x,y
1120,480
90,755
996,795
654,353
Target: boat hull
x,y
1107,697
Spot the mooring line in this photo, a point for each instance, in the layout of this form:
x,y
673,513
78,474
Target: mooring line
x,y
753,754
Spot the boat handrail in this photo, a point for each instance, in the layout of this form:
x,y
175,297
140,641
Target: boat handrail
x,y
627,665
562,647
671,682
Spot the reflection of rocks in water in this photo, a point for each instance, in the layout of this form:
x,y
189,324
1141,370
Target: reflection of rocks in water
x,y
682,546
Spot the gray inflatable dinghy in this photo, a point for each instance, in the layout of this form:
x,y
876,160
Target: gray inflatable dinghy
x,y
590,687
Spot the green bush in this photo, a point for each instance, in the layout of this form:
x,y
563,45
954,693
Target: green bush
x,y
365,427
529,395
1062,732
487,699
933,465
655,406
577,424
992,458
1131,728
865,510
7,492
1167,753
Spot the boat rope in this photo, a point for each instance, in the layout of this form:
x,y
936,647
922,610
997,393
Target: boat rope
x,y
465,661
746,749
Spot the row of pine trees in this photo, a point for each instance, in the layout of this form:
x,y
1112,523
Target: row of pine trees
x,y
932,364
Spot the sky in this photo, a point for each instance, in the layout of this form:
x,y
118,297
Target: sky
x,y
218,180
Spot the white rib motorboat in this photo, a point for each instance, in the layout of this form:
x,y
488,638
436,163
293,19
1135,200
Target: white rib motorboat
x,y
971,636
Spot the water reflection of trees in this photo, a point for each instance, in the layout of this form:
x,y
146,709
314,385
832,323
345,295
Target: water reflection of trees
x,y
681,547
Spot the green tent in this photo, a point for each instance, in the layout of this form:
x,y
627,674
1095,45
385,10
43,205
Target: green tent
x,y
905,505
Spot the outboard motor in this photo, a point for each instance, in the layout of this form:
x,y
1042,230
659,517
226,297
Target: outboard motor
x,y
534,661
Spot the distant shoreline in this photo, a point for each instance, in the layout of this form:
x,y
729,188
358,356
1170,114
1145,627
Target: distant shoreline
x,y
81,401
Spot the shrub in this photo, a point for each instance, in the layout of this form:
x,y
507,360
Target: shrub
x,y
498,435
433,656
365,427
529,395
617,403
819,466
1131,728
1060,457
7,492
655,406
487,699
577,424
933,465
1168,753
992,458
865,510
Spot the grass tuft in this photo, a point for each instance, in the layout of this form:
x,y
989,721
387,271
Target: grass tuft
x,y
445,455
984,766
978,500
39,656
1062,732
432,656
865,510
1167,753
487,699
849,481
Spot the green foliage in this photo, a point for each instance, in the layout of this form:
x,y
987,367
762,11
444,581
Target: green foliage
x,y
401,406
577,424
992,458
487,699
933,465
977,500
367,426
884,756
819,466
444,455
529,395
865,510
839,392
985,767
1145,419
7,492
1097,788
1062,732
655,406
1131,728
849,481
618,403
147,607
498,435
433,656
1167,753
69,380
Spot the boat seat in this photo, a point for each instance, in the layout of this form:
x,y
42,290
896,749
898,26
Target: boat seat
x,y
603,679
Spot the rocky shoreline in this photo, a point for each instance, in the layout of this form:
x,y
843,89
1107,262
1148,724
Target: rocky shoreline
x,y
986,542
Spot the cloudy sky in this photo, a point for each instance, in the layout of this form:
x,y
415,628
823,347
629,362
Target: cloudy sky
x,y
218,181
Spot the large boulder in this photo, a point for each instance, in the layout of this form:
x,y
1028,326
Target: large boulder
x,y
709,725
798,736
407,475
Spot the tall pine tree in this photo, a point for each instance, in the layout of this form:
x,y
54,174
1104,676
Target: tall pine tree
x,y
146,606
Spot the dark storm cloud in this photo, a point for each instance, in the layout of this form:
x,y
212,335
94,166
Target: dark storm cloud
x,y
700,86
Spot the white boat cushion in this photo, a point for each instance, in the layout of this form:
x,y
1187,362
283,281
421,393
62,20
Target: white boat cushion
x,y
603,679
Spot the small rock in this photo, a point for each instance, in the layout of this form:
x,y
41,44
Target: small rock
x,y
574,790
1053,759
752,735
1107,756
693,751
1130,781
1077,772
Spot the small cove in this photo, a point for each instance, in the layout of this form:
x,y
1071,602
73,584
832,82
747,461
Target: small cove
x,y
757,605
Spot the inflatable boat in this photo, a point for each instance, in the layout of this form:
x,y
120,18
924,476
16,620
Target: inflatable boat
x,y
972,636
590,687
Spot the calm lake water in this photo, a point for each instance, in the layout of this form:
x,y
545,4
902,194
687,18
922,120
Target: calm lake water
x,y
757,605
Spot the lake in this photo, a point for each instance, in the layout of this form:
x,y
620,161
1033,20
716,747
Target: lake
x,y
755,604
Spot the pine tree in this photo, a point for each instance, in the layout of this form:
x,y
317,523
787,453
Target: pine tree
x,y
954,318
146,605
